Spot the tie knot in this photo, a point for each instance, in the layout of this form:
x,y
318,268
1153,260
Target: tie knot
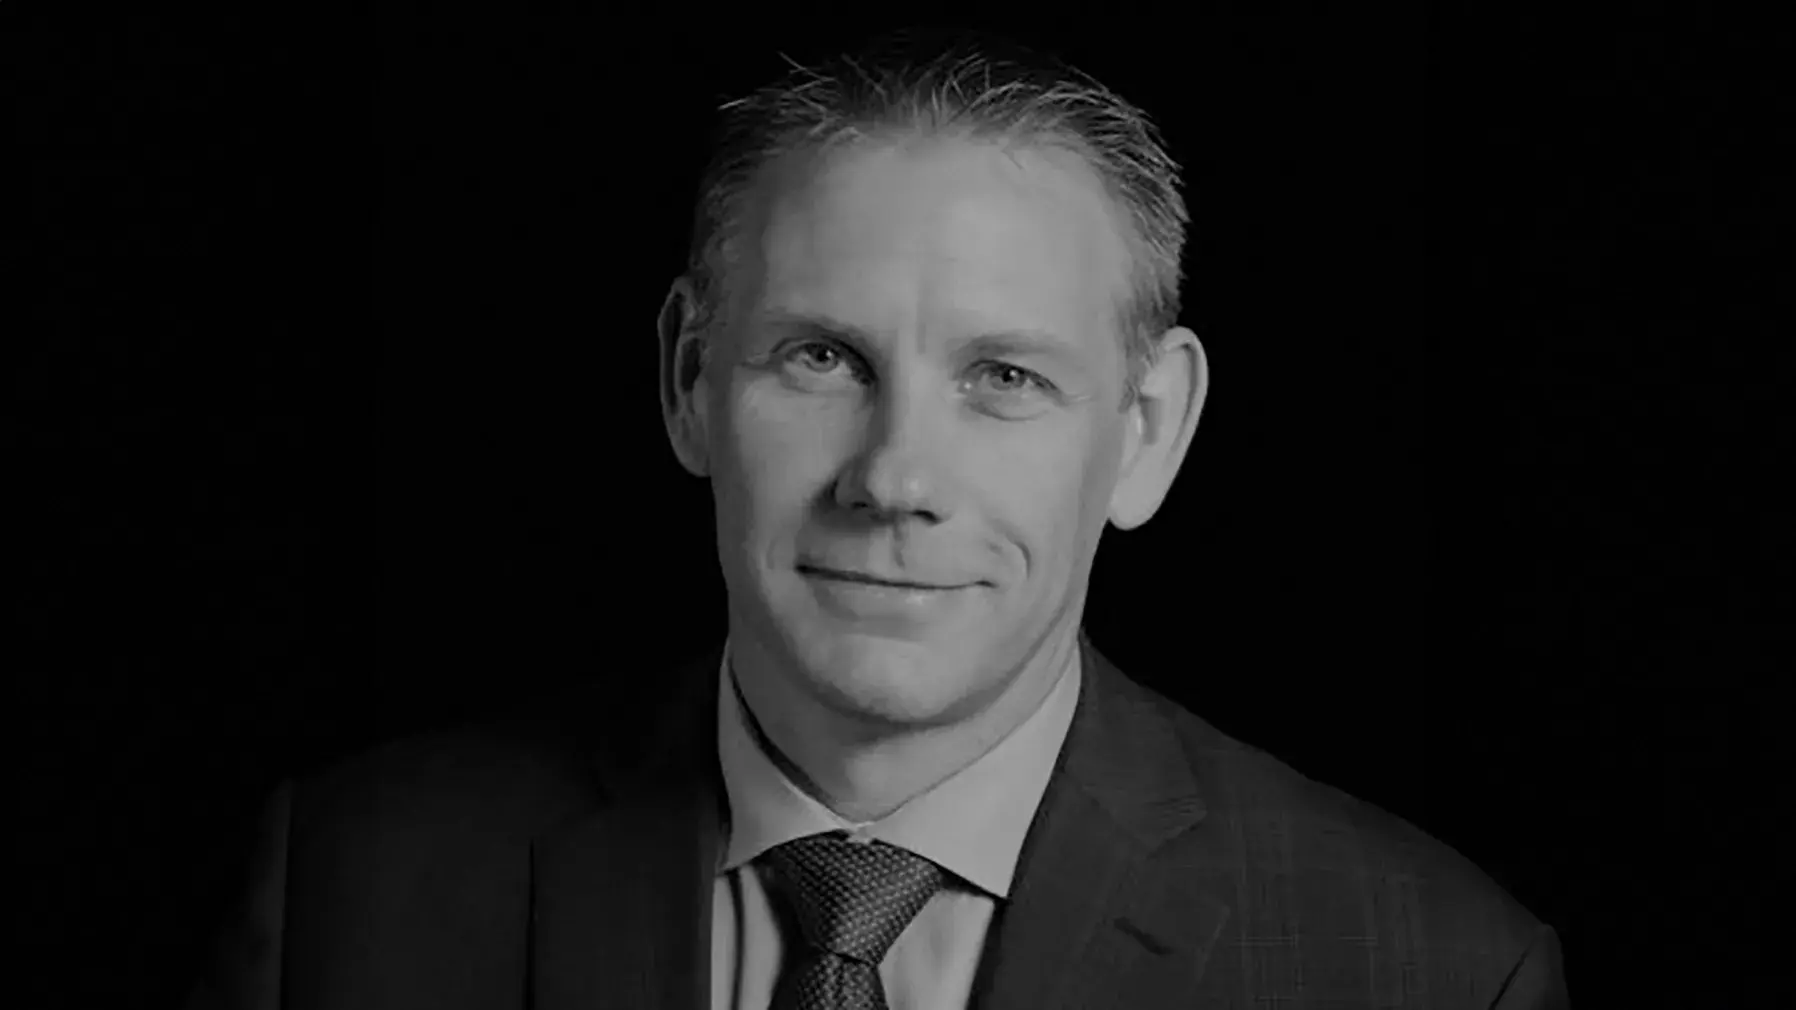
x,y
853,898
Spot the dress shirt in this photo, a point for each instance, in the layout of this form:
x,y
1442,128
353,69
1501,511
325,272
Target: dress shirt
x,y
971,824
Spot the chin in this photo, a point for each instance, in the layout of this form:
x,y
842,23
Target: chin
x,y
888,680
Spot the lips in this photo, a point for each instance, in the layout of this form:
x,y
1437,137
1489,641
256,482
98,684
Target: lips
x,y
871,580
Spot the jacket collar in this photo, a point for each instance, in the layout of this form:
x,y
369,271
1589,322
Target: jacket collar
x,y
1103,915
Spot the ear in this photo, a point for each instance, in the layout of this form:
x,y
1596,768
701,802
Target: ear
x,y
684,392
1159,428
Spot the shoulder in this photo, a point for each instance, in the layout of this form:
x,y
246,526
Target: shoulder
x,y
1278,824
505,777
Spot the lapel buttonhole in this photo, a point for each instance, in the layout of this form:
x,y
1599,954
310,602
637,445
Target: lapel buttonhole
x,y
1148,940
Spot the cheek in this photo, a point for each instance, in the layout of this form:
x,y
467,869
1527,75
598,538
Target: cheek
x,y
780,453
1049,491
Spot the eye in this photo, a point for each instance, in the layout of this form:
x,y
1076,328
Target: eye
x,y
817,356
1001,378
1014,378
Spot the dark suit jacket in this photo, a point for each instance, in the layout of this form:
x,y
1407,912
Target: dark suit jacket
x,y
564,859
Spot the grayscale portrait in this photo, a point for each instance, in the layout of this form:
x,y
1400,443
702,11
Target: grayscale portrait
x,y
925,353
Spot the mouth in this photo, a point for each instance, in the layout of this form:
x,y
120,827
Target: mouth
x,y
840,576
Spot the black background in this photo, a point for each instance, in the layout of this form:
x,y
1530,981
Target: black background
x,y
338,398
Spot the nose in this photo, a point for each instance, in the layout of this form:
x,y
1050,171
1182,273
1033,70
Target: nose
x,y
885,488
899,472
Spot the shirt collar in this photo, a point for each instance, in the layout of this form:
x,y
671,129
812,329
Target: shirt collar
x,y
972,823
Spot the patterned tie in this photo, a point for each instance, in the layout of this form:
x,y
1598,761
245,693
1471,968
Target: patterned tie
x,y
850,901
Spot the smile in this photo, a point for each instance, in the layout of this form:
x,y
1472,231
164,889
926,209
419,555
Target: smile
x,y
858,578
892,607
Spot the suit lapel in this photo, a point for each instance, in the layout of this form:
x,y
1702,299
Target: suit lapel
x,y
621,897
1100,917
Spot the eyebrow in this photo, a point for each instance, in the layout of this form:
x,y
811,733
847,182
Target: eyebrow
x,y
1019,342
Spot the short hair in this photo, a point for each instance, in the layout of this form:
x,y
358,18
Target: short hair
x,y
982,87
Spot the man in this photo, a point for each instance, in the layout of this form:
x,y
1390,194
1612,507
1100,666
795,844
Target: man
x,y
926,349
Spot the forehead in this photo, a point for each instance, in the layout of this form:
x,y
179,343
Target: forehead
x,y
942,234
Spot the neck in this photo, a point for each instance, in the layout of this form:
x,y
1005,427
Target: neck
x,y
864,775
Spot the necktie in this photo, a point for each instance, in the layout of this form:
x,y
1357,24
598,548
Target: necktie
x,y
850,900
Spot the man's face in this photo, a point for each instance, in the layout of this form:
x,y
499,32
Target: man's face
x,y
858,425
